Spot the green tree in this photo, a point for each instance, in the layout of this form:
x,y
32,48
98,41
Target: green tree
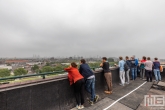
x,y
20,71
35,68
4,72
47,64
94,65
110,59
47,69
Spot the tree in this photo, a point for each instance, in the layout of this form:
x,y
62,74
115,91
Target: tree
x,y
47,64
20,71
4,72
94,64
110,59
47,69
35,68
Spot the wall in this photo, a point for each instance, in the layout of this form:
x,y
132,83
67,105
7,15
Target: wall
x,y
56,94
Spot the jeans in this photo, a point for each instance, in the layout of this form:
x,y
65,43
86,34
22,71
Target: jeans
x,y
127,75
142,73
122,77
90,87
79,91
134,73
157,74
149,75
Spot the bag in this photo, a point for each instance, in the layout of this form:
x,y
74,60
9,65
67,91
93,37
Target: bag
x,y
126,67
136,62
161,68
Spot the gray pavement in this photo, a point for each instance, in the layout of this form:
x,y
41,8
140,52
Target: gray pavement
x,y
134,101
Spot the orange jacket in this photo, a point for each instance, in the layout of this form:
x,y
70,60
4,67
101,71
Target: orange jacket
x,y
73,74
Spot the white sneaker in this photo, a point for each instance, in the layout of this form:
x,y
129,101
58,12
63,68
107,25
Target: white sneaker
x,y
82,106
121,84
126,83
78,107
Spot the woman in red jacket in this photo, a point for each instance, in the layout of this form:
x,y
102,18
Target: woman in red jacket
x,y
77,80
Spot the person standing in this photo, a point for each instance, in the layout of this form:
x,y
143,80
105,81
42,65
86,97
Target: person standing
x,y
133,68
122,72
156,65
129,66
77,80
136,65
148,67
107,74
142,68
89,78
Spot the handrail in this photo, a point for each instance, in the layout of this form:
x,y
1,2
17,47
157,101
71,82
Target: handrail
x,y
39,74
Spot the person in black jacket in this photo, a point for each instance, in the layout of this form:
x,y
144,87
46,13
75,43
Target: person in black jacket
x,y
107,74
89,77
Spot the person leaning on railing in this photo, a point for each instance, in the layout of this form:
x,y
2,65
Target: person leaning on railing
x,y
89,77
107,74
77,80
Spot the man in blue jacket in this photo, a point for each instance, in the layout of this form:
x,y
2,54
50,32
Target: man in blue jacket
x,y
89,77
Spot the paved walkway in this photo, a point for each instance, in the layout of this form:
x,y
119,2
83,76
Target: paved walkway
x,y
129,97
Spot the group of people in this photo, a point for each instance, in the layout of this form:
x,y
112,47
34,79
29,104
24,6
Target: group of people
x,y
145,66
84,78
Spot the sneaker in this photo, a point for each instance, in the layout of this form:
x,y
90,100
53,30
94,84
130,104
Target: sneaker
x,y
108,92
96,98
121,84
91,102
82,107
78,107
127,83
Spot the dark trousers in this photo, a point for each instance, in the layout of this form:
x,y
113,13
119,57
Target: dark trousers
x,y
79,91
149,75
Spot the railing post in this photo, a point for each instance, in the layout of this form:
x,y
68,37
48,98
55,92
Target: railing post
x,y
43,76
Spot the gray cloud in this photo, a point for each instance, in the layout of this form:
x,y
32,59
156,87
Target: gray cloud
x,y
84,28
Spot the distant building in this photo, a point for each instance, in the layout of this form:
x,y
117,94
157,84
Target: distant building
x,y
34,63
162,61
65,63
5,67
16,61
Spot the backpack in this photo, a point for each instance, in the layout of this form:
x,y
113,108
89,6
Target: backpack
x,y
126,67
161,68
136,62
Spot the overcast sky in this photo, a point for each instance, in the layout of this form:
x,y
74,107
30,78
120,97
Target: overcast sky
x,y
109,28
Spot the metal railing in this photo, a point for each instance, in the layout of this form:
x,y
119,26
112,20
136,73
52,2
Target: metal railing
x,y
39,74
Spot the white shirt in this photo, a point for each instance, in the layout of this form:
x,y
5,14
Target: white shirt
x,y
148,65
